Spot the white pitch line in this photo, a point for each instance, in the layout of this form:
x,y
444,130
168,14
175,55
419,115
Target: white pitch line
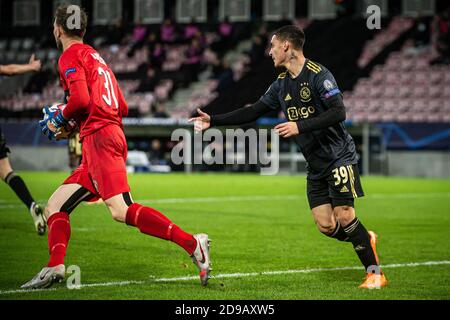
x,y
234,275
13,205
408,195
281,272
222,199
192,200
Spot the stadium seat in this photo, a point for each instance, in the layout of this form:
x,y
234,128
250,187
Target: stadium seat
x,y
15,44
28,44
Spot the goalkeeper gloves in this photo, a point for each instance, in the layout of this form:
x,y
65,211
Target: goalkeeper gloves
x,y
53,121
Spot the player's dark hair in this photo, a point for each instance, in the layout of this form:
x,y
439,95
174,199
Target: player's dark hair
x,y
293,34
65,12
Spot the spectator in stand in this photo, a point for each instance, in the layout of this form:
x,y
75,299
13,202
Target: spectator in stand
x,y
422,32
148,81
421,36
217,66
156,154
193,63
191,30
160,111
158,56
168,32
226,78
139,33
225,31
443,38
257,51
115,33
151,41
137,39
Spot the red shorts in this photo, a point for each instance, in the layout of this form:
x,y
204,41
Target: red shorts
x,y
103,165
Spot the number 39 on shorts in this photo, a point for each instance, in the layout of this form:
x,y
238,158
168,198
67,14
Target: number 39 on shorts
x,y
342,174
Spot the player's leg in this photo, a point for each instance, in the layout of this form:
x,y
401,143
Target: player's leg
x,y
107,151
152,222
322,211
148,221
364,243
327,223
345,185
16,183
356,232
60,205
62,202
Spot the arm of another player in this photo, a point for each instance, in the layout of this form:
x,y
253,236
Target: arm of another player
x,y
12,69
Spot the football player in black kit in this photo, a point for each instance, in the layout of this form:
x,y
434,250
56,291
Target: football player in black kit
x,y
310,99
7,174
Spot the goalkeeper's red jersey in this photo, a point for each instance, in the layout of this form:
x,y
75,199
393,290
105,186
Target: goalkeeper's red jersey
x,y
80,62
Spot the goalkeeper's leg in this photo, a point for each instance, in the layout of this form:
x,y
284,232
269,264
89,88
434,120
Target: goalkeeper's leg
x,y
152,222
62,202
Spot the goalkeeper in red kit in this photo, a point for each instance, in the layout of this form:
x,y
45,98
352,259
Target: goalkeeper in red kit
x,y
96,103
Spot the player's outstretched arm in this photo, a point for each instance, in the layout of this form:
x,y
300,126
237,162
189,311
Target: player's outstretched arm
x,y
13,69
202,122
237,117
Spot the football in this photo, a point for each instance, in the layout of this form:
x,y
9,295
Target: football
x,y
72,124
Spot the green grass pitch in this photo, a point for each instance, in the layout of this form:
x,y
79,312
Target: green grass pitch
x,y
257,224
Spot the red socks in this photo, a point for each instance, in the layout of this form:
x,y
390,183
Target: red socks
x,y
58,237
148,220
154,223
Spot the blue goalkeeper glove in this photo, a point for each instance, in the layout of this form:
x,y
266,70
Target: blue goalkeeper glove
x,y
53,120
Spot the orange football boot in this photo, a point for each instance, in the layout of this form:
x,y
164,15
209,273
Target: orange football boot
x,y
374,280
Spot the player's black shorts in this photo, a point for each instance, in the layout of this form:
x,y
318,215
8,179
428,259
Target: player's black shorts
x,y
4,150
340,188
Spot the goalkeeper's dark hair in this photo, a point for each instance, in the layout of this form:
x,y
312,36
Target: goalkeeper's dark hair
x,y
293,34
65,12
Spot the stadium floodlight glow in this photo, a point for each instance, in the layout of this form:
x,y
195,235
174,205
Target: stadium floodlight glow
x,y
249,147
